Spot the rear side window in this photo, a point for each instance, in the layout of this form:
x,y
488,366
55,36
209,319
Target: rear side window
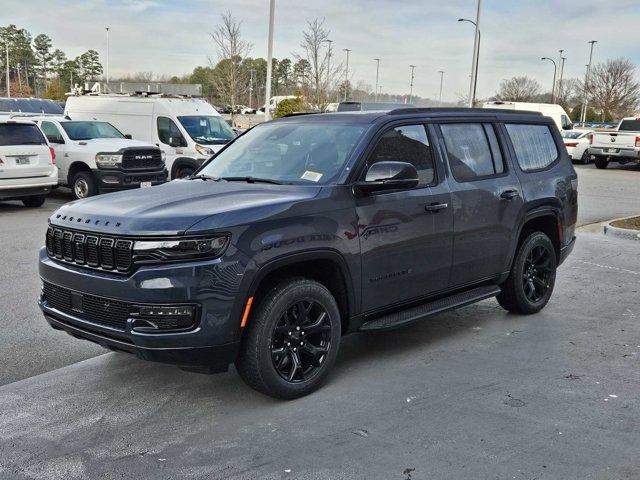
x,y
20,134
629,125
534,145
473,150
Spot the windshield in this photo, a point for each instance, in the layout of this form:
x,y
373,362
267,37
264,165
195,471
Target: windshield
x,y
571,135
629,125
288,152
207,130
90,130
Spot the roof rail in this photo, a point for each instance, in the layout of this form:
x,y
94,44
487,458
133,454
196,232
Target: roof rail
x,y
488,111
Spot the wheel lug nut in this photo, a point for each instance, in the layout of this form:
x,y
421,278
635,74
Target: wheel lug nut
x,y
289,333
295,349
297,328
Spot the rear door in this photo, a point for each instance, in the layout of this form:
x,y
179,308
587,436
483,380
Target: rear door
x,y
24,152
486,198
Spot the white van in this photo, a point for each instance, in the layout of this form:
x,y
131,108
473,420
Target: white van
x,y
556,112
188,130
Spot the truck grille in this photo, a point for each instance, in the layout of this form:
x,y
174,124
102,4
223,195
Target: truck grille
x,y
142,159
104,311
95,251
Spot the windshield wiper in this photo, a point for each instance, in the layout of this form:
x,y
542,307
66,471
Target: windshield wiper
x,y
252,180
204,177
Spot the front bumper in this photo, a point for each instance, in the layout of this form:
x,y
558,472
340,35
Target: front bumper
x,y
629,154
112,180
214,286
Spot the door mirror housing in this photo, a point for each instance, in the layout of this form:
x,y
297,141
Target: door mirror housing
x,y
128,136
175,142
389,175
568,126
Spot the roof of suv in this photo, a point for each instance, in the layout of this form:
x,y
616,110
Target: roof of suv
x,y
371,116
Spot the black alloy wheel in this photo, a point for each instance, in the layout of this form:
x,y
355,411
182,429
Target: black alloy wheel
x,y
537,273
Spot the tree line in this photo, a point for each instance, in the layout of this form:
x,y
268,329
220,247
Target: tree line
x,y
38,69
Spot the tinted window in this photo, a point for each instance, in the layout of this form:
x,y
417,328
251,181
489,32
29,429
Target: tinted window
x,y
20,134
52,132
534,145
630,125
408,143
168,131
473,150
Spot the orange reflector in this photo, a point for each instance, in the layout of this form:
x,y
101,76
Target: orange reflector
x,y
245,315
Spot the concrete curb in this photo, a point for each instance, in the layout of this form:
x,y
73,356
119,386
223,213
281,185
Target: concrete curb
x,y
621,232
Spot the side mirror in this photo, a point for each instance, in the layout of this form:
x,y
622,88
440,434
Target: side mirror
x,y
389,175
54,139
568,126
175,142
128,136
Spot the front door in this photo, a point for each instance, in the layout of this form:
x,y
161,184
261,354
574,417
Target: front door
x,y
486,199
405,236
56,140
172,142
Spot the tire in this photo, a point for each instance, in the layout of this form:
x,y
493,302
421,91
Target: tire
x,y
184,172
601,162
585,159
516,295
274,345
83,185
33,201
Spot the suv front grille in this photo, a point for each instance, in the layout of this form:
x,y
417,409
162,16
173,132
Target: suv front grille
x,y
104,311
142,159
104,252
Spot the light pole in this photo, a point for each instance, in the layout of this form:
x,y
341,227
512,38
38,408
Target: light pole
x,y
561,51
380,90
441,72
267,90
8,81
562,59
377,60
476,58
107,69
553,85
413,67
586,83
251,72
346,76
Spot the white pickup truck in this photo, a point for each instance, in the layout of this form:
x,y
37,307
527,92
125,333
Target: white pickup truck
x,y
95,157
621,145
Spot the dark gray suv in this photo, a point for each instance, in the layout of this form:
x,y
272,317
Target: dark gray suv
x,y
311,227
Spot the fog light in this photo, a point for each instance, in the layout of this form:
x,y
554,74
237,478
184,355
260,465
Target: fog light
x,y
155,318
110,179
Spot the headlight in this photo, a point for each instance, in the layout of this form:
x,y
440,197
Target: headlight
x,y
108,160
202,150
179,249
163,155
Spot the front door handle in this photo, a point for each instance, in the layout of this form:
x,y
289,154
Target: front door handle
x,y
509,194
435,207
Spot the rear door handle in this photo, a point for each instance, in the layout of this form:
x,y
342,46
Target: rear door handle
x,y
436,207
509,194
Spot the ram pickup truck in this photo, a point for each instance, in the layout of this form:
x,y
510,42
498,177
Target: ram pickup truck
x,y
621,145
95,157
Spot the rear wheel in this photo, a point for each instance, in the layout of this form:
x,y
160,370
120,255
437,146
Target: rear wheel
x,y
33,201
83,185
601,162
532,278
293,340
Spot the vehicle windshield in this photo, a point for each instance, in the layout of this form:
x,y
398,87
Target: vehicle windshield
x,y
20,134
90,130
300,153
629,126
207,130
571,135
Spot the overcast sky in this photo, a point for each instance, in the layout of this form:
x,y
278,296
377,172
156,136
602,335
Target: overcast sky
x,y
172,37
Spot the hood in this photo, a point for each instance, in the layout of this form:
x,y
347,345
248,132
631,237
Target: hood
x,y
174,207
113,144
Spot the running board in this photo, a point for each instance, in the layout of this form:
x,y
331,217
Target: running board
x,y
404,317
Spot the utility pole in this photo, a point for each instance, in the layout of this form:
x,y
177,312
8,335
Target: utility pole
x,y
8,81
562,59
474,63
107,69
441,72
267,91
553,85
346,77
586,84
251,72
561,51
413,67
377,73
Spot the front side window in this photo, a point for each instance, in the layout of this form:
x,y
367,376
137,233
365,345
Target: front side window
x,y
169,133
566,122
288,152
408,143
52,132
20,134
473,150
207,130
90,130
533,144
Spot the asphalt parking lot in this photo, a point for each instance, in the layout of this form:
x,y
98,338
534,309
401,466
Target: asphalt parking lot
x,y
475,393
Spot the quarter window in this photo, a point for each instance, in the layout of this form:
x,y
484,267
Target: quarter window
x,y
408,143
534,145
473,150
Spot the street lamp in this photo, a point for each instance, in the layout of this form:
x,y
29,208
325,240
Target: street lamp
x,y
562,59
377,60
346,75
586,82
553,85
476,58
267,90
107,29
413,67
441,72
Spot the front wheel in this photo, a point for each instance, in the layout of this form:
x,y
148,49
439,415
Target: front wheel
x,y
601,162
83,185
292,341
532,278
184,172
586,158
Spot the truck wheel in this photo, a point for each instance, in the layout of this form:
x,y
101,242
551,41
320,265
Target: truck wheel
x,y
586,158
601,162
533,274
184,172
83,185
33,201
292,341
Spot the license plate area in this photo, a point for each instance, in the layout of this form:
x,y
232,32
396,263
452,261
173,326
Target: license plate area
x,y
145,184
22,160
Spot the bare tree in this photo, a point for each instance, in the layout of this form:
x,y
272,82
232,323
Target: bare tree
x,y
229,78
613,89
518,89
